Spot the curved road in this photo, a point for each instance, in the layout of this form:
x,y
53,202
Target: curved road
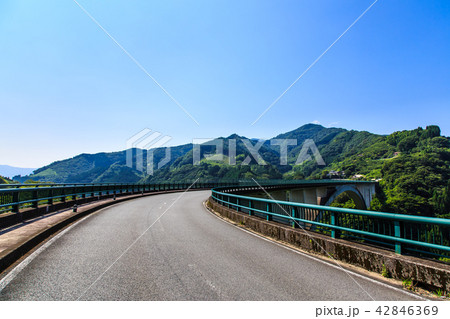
x,y
188,254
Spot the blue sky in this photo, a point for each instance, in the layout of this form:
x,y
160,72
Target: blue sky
x,y
66,88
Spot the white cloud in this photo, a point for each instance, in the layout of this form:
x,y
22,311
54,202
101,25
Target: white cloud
x,y
333,124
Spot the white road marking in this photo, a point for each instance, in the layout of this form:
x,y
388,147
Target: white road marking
x,y
317,259
16,270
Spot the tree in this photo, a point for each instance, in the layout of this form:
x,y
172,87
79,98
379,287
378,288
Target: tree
x,y
432,131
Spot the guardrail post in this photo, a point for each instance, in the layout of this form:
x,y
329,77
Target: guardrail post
x,y
250,207
50,200
268,216
15,207
35,198
397,233
237,204
294,215
333,223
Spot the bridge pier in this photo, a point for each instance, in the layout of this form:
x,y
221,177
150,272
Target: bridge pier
x,y
367,191
296,195
312,195
279,195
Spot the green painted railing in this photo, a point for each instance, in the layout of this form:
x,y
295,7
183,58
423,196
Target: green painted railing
x,y
422,236
16,197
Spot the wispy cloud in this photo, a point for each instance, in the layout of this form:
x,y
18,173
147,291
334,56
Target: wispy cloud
x,y
333,124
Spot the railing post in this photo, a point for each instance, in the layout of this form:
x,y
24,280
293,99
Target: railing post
x,y
237,203
268,216
50,200
15,207
333,223
35,198
397,233
294,215
250,206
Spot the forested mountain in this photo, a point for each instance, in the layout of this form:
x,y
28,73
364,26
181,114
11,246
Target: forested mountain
x,y
411,166
5,180
97,168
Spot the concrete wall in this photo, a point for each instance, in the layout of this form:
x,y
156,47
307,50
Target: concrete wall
x,y
279,195
309,195
367,191
428,273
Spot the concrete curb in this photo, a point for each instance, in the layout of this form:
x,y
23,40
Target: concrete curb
x,y
429,274
11,255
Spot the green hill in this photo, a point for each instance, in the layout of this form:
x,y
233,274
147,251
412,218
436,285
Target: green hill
x,y
412,166
97,168
5,180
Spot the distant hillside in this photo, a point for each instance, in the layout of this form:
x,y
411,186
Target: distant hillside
x,y
183,168
84,168
5,180
11,171
213,168
96,168
412,166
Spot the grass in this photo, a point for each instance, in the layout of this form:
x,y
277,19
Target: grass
x,y
438,293
408,284
385,272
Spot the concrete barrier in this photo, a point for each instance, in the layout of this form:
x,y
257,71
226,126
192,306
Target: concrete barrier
x,y
428,274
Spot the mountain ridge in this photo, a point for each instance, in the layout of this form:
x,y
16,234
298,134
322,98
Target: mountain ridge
x,y
411,165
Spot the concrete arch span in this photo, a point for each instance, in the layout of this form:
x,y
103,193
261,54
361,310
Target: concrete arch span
x,y
352,192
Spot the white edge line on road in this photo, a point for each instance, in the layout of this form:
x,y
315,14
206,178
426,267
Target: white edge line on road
x,y
315,258
16,270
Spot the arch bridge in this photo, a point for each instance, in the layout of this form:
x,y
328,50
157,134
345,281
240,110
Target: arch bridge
x,y
317,192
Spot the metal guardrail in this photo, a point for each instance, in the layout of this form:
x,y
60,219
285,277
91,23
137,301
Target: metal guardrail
x,y
422,236
16,197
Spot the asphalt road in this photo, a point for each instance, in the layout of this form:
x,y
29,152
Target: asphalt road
x,y
188,254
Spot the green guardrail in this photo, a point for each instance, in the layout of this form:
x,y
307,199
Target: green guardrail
x,y
416,235
16,197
